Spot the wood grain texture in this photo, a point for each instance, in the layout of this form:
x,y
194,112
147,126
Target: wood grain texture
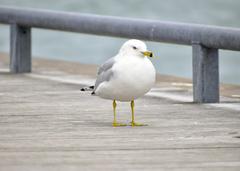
x,y
47,125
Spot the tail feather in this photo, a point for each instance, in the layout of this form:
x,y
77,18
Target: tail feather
x,y
89,88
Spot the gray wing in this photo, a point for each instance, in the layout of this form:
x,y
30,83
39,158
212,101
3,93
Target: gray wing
x,y
104,72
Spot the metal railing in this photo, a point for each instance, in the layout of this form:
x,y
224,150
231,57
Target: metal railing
x,y
205,40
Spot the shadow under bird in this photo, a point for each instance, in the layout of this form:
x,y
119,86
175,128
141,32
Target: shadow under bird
x,y
125,77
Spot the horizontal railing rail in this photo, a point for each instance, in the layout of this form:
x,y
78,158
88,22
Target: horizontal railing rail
x,y
205,40
169,32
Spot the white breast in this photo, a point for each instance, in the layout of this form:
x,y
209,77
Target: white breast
x,y
132,78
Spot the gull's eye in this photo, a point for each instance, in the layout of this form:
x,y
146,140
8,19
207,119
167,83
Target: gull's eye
x,y
134,47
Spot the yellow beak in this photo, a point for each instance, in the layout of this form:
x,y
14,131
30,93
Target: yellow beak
x,y
148,53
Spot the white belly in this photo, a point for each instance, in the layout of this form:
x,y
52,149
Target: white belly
x,y
131,79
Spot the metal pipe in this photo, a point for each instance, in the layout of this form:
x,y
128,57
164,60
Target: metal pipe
x,y
150,30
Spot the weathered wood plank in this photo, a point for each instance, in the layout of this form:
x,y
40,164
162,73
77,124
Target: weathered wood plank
x,y
47,125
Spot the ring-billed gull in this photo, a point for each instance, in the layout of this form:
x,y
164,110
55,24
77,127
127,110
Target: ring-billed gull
x,y
125,77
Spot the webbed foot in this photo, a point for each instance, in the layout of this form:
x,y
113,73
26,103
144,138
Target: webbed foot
x,y
137,124
116,124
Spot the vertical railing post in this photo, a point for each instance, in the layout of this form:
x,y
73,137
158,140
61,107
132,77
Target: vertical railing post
x,y
20,49
205,74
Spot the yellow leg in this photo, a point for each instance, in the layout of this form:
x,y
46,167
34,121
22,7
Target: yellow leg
x,y
115,123
133,123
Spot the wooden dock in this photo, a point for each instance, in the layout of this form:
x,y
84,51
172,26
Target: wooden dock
x,y
46,125
51,125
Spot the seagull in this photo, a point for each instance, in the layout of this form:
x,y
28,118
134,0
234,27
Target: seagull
x,y
125,77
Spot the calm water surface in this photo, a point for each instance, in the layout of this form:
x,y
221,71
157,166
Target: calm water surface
x,y
173,59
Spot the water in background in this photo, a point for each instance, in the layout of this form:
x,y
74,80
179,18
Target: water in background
x,y
173,59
